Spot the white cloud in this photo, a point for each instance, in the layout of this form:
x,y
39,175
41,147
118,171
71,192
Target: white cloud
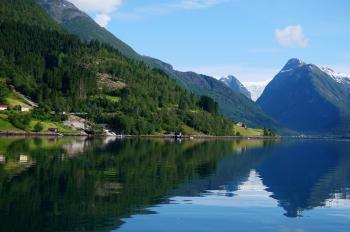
x,y
102,9
105,6
292,36
166,8
102,19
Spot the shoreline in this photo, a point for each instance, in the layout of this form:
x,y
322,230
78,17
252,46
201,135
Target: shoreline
x,y
202,137
80,134
185,137
39,134
49,134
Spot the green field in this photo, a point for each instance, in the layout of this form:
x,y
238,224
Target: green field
x,y
248,132
241,130
47,125
190,131
14,99
5,125
108,97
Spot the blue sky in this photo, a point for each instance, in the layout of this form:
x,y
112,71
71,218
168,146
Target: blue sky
x,y
251,39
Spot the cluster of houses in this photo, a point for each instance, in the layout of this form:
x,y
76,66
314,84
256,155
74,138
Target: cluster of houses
x,y
21,108
24,108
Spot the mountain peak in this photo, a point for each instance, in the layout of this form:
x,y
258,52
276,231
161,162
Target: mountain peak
x,y
233,83
58,9
293,64
307,98
229,78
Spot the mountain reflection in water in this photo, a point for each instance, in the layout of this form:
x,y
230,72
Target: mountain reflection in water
x,y
81,184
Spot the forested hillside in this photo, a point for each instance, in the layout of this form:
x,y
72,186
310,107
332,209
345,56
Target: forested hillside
x,y
231,103
62,73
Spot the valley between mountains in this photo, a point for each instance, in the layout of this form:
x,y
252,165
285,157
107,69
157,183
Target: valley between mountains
x,y
84,80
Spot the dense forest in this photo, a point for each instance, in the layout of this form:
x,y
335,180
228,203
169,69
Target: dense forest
x,y
62,74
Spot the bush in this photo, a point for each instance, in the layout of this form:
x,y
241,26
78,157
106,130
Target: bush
x,y
38,127
268,132
20,120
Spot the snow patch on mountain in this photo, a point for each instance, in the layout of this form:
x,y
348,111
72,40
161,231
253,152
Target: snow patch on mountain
x,y
256,89
233,83
292,64
232,79
338,77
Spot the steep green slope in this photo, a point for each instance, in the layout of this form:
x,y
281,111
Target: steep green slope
x,y
62,73
26,11
231,103
79,23
306,99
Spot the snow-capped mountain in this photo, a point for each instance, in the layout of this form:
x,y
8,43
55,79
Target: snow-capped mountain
x,y
236,85
338,77
256,88
308,98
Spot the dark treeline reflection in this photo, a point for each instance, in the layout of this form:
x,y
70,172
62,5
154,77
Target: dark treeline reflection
x,y
91,184
49,185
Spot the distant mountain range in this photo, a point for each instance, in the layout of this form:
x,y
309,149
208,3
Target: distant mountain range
x,y
231,103
236,85
252,90
309,99
256,88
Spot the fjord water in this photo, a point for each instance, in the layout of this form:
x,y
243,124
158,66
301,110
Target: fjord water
x,y
156,185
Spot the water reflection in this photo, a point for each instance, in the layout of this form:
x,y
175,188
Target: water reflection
x,y
303,175
249,193
97,184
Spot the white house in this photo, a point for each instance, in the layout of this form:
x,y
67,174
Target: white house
x,y
25,109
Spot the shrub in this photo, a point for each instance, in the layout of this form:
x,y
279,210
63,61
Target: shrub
x,y
38,127
20,120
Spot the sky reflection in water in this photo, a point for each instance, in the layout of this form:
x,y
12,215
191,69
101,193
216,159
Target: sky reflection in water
x,y
156,185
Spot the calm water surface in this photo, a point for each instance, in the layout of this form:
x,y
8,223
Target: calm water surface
x,y
155,185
